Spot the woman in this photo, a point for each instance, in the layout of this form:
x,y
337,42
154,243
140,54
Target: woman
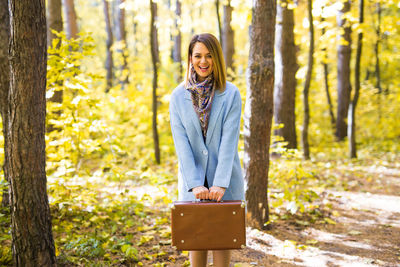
x,y
205,122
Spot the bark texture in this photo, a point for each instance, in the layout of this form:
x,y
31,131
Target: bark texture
x,y
343,72
285,75
54,19
306,120
32,240
109,43
4,89
228,38
259,110
353,104
121,38
156,61
70,15
177,51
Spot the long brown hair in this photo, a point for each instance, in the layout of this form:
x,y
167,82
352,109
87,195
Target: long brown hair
x,y
214,47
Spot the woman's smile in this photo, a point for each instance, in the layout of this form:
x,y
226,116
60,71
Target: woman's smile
x,y
202,61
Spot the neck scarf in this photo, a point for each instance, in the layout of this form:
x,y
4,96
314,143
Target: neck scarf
x,y
202,97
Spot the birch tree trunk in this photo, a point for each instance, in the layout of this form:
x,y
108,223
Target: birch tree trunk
x,y
228,45
109,43
4,89
32,240
343,72
306,120
285,75
70,17
259,110
353,103
156,61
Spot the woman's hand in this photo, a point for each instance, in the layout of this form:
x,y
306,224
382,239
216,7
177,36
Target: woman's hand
x,y
201,192
216,193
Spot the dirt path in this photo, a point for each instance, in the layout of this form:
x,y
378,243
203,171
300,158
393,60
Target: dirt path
x,y
363,228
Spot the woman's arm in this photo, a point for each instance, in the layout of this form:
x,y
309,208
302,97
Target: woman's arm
x,y
229,143
191,174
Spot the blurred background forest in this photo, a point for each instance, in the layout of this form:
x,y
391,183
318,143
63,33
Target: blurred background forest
x,y
110,161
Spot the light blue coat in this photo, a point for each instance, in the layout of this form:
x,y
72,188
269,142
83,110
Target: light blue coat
x,y
217,158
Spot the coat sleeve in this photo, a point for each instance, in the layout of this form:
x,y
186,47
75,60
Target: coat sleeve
x,y
229,143
190,172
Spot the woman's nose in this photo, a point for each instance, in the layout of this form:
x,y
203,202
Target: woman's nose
x,y
203,60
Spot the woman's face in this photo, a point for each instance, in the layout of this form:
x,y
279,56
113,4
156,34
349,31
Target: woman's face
x,y
201,61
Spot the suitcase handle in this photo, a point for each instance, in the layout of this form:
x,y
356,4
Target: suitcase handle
x,y
207,200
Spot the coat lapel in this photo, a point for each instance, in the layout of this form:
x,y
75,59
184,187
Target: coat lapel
x,y
217,106
192,113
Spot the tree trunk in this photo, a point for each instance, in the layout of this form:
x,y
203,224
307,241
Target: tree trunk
x,y
326,81
109,43
4,89
54,19
156,61
306,120
285,75
228,39
259,110
218,21
353,104
54,22
378,35
121,38
176,52
32,240
343,72
70,15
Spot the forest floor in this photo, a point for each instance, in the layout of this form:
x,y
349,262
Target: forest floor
x,y
125,222
363,228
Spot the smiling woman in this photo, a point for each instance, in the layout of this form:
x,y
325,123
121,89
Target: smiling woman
x,y
205,122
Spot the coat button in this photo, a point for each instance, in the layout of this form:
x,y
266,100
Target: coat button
x,y
205,152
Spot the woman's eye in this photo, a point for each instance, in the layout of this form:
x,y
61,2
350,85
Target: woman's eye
x,y
208,56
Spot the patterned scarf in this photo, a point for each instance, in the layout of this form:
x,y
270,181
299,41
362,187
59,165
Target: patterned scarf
x,y
202,97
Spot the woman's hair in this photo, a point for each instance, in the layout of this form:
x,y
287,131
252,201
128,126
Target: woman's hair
x,y
213,46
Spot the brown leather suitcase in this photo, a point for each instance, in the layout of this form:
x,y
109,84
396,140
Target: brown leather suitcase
x,y
208,225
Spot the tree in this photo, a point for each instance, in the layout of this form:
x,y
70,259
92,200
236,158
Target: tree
x,y
218,21
228,45
306,120
4,88
326,81
54,22
376,48
109,43
121,38
32,240
176,52
353,103
70,15
285,74
259,110
156,61
343,71
54,19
